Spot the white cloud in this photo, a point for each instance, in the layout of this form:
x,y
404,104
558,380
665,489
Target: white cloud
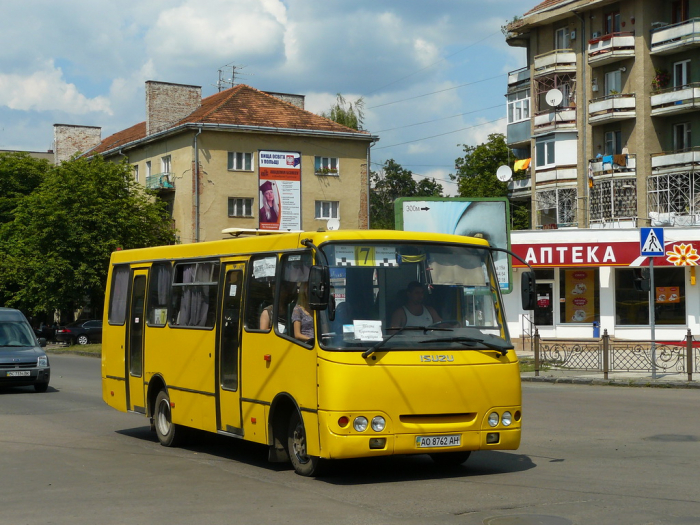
x,y
46,90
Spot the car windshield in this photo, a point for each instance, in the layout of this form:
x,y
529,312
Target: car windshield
x,y
412,296
14,334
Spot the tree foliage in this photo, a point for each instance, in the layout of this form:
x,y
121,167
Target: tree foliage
x,y
347,113
20,175
476,174
55,252
389,184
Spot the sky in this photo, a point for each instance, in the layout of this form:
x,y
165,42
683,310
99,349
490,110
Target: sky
x,y
433,75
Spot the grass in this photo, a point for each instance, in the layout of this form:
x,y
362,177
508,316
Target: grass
x,y
528,365
90,350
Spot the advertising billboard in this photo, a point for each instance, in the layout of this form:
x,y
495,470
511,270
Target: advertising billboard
x,y
484,218
280,190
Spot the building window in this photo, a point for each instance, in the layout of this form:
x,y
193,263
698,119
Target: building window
x,y
613,199
681,74
613,142
561,38
239,161
240,207
674,197
136,172
165,164
518,106
679,11
327,210
612,22
632,304
613,82
681,137
544,152
326,165
148,168
556,207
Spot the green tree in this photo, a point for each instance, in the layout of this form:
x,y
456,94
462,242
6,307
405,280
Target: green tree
x,y
389,184
20,174
347,113
55,252
476,175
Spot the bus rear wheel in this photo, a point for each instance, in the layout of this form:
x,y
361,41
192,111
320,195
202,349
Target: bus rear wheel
x,y
303,464
450,459
169,434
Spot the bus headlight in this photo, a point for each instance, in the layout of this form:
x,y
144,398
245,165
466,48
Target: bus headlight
x,y
493,419
506,419
360,424
378,423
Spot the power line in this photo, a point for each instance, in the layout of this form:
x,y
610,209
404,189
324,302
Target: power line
x,y
435,92
438,119
431,65
441,134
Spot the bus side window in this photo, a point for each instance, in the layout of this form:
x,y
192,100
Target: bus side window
x,y
295,271
194,294
158,294
261,290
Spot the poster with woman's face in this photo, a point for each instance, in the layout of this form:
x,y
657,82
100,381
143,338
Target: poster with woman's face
x,y
279,190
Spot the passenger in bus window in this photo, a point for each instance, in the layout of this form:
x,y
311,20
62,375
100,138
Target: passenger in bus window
x,y
414,312
286,298
302,320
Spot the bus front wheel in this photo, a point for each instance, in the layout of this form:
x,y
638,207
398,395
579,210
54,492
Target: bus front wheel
x,y
303,464
169,434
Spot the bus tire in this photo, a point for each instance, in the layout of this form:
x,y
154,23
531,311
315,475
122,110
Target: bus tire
x,y
169,434
303,464
450,459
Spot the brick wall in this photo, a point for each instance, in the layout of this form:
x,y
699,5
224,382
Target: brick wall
x,y
69,139
295,100
168,103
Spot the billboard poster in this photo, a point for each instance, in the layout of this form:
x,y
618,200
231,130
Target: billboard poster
x,y
279,183
579,295
485,218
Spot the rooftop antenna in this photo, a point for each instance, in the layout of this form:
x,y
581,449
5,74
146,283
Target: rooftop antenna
x,y
225,83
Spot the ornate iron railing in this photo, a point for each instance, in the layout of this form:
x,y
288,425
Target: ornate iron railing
x,y
617,356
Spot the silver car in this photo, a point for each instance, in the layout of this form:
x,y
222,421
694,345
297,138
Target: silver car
x,y
22,360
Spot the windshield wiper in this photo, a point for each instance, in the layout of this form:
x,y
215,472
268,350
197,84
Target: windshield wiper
x,y
502,348
399,330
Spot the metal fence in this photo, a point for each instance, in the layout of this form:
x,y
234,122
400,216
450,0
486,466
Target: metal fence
x,y
617,356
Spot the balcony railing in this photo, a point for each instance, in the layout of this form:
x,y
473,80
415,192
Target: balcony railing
x,y
613,107
610,48
555,119
518,76
676,37
673,160
559,61
676,100
160,181
614,164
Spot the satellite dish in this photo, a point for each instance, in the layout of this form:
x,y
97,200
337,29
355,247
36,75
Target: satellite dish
x,y
504,173
554,97
332,224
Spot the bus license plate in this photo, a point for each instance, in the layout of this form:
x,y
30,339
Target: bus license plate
x,y
19,373
438,441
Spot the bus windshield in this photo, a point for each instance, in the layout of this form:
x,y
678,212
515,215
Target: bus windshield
x,y
412,295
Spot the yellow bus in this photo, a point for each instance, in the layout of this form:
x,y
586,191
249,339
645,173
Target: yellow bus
x,y
319,345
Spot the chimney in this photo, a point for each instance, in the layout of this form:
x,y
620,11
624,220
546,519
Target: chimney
x,y
168,103
296,100
69,139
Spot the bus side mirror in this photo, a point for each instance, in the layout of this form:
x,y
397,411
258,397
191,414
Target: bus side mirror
x,y
528,291
319,287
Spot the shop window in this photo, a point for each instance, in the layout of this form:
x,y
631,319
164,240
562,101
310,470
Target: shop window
x,y
579,295
632,304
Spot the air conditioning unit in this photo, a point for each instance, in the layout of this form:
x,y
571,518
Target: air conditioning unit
x,y
596,34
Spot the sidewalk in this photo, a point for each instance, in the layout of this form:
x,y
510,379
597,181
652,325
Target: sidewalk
x,y
664,379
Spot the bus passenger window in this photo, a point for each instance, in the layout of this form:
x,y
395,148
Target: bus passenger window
x,y
117,294
194,294
293,297
261,290
158,293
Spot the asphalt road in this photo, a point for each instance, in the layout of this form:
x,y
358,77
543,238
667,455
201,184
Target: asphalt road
x,y
590,455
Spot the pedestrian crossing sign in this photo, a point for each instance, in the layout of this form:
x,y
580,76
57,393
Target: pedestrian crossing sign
x,y
652,242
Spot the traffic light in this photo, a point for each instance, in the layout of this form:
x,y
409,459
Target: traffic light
x,y
641,280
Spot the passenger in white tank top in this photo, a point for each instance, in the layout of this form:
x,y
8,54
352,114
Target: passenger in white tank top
x,y
414,312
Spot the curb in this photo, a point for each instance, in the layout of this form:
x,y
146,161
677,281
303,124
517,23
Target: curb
x,y
639,383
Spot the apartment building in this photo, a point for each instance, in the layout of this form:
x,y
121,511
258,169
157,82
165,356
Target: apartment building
x,y
241,158
605,116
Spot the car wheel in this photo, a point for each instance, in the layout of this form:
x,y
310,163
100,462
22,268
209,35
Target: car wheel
x,y
303,464
82,339
169,434
450,459
41,387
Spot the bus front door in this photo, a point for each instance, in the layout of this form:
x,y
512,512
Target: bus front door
x,y
228,388
134,343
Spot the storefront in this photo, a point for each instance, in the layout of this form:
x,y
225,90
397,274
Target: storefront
x,y
596,276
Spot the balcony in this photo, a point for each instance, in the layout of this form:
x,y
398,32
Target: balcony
x,y
622,165
685,160
519,77
675,38
160,182
676,100
547,121
557,61
518,134
613,107
520,189
610,48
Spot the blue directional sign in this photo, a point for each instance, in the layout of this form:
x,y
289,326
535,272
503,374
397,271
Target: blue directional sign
x,y
651,242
